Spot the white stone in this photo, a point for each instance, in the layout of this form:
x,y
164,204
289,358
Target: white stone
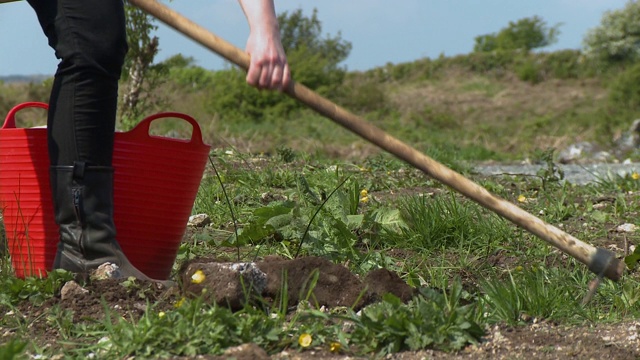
x,y
627,227
199,220
71,289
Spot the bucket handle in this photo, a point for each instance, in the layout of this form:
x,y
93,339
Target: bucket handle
x,y
138,130
10,120
142,129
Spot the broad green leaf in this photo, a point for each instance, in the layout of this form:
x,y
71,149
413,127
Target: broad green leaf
x,y
389,219
354,221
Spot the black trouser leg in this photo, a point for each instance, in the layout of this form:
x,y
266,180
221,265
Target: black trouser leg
x,y
89,38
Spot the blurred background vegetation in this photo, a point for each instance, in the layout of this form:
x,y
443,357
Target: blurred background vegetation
x,y
504,101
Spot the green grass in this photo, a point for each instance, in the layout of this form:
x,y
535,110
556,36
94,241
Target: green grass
x,y
293,186
443,244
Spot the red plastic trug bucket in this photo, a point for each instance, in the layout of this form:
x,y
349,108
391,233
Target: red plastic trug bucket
x,y
156,180
25,196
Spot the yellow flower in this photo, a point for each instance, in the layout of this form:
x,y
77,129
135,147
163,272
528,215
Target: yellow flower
x,y
519,268
161,314
335,347
179,302
364,196
522,198
198,277
305,340
635,176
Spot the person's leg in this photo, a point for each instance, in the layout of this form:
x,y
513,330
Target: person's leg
x,y
89,38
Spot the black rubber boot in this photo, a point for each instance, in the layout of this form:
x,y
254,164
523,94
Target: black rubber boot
x,y
83,205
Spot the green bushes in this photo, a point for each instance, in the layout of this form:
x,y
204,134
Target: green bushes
x,y
624,91
486,62
192,78
314,61
525,34
529,71
362,96
565,64
617,38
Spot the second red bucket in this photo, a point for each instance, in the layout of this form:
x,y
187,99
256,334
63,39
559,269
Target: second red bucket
x,y
156,181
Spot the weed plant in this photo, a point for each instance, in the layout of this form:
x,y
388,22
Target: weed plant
x,y
472,269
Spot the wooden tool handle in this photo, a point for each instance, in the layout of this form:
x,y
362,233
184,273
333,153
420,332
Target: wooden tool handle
x,y
600,261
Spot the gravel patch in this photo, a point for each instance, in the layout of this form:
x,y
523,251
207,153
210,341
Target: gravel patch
x,y
573,173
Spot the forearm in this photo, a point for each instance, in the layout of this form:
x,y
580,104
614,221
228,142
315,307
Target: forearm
x,y
268,68
260,14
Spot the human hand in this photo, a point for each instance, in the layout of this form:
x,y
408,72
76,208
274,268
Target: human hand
x,y
268,68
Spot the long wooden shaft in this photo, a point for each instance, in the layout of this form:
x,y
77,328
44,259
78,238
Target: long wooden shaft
x,y
600,261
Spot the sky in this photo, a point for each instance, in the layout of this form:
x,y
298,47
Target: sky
x,y
380,31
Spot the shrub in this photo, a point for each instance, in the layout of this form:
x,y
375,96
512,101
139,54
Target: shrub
x,y
486,62
624,91
564,64
529,71
617,39
363,96
184,72
525,34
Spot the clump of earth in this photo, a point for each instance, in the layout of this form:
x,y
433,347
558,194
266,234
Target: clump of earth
x,y
330,285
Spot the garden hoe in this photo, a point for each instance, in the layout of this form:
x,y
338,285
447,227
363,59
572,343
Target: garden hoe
x,y
600,261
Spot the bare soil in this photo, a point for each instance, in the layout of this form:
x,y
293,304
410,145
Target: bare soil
x,y
474,105
337,286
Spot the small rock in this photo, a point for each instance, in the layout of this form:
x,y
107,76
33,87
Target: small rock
x,y
600,206
614,248
71,289
199,220
525,317
629,140
498,337
105,271
603,157
576,152
627,227
348,326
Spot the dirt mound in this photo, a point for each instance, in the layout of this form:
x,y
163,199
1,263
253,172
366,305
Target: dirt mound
x,y
308,278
